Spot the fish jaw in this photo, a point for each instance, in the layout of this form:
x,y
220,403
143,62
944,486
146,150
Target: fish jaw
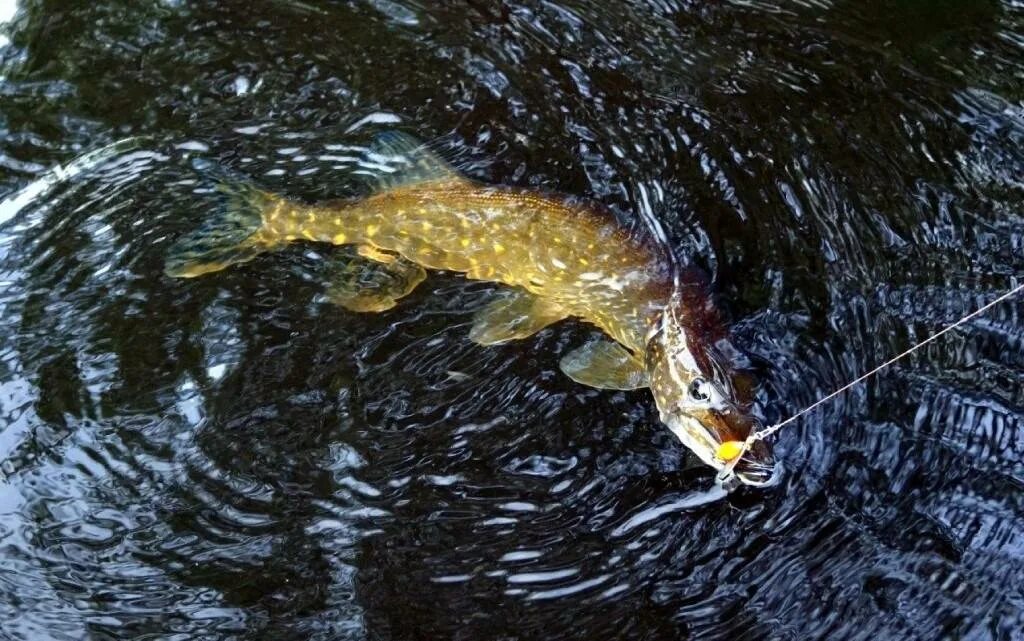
x,y
756,466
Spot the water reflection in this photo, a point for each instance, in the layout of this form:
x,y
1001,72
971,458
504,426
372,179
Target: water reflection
x,y
7,10
235,457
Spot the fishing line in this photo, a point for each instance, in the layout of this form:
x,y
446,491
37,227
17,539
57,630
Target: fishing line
x,y
768,431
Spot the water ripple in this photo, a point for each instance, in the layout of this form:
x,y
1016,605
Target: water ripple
x,y
235,457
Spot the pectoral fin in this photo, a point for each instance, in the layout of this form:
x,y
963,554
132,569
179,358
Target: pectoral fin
x,y
513,316
364,285
606,365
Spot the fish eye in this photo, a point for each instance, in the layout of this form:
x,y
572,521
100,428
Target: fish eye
x,y
700,390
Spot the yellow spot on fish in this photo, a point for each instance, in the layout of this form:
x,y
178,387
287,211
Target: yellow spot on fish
x,y
425,225
729,450
339,239
499,248
464,242
584,262
308,235
371,230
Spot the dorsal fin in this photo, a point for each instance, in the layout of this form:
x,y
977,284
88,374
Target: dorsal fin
x,y
409,162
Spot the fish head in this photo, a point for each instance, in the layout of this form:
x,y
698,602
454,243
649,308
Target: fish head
x,y
700,396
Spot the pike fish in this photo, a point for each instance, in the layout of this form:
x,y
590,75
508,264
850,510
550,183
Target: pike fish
x,y
559,256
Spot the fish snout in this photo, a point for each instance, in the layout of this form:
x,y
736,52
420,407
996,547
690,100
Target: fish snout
x,y
757,466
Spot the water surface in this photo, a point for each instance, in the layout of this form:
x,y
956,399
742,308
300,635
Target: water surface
x,y
233,457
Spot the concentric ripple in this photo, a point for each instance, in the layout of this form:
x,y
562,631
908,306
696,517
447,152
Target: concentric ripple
x,y
232,457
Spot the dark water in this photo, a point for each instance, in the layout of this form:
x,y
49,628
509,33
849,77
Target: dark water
x,y
234,458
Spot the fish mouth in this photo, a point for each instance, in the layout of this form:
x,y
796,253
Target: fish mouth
x,y
704,436
757,466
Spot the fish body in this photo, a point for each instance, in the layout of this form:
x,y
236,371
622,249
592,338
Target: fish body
x,y
574,259
561,257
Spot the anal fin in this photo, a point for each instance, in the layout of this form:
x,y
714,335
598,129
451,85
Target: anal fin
x,y
371,285
514,315
606,365
371,252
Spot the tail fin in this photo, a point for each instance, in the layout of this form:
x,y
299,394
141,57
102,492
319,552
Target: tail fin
x,y
227,236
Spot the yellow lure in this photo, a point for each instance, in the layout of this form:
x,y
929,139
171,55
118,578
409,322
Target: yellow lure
x,y
729,450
